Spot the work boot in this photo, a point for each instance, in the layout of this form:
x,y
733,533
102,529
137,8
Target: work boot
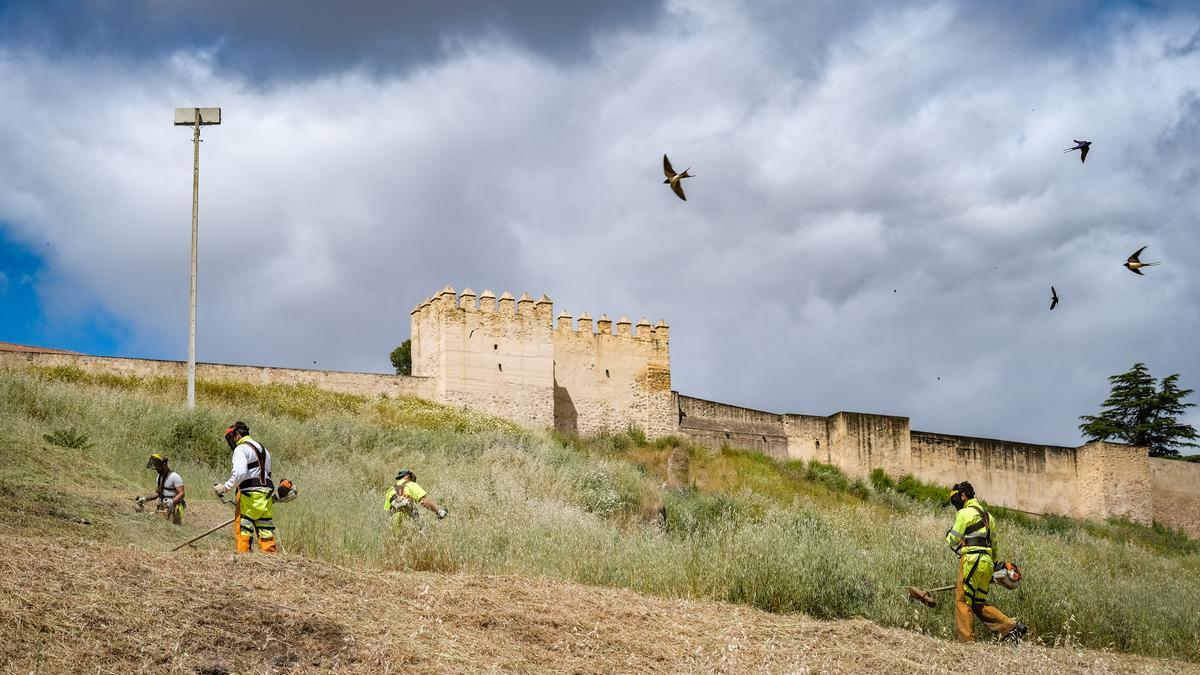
x,y
1016,633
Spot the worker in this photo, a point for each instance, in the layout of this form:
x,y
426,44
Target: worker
x,y
973,538
402,497
168,490
251,476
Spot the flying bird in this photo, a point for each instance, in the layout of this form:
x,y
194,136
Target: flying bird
x,y
1082,147
1135,265
675,180
1053,298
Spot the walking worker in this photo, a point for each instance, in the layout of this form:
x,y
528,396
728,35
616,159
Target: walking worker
x,y
251,476
168,490
402,497
973,538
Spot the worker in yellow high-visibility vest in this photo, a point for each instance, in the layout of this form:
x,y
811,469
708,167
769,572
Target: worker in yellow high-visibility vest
x,y
401,499
251,476
973,538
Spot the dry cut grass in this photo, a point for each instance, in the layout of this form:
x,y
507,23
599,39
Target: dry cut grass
x,y
76,607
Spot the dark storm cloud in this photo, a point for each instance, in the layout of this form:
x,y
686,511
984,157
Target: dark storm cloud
x,y
270,40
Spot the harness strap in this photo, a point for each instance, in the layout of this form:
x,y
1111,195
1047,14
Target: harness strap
x,y
984,522
260,463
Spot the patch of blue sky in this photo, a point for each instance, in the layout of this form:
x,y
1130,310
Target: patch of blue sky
x,y
23,318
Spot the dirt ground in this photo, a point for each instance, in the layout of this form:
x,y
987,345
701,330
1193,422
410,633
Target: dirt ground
x,y
88,607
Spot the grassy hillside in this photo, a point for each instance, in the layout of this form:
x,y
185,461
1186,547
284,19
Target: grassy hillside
x,y
782,537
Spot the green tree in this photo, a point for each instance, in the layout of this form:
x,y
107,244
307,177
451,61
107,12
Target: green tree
x,y
1139,413
402,358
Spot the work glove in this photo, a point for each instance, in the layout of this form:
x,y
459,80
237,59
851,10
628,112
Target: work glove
x,y
441,513
141,501
220,489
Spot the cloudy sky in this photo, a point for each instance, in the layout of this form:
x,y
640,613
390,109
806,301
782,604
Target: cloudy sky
x,y
880,207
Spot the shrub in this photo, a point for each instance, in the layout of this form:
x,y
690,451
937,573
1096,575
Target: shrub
x,y
196,438
881,481
908,485
68,438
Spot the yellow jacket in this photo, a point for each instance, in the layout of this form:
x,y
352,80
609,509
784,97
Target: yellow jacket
x,y
974,530
413,492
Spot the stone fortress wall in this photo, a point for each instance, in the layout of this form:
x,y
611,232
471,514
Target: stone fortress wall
x,y
508,357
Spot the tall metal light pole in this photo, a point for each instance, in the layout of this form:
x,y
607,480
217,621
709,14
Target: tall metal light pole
x,y
194,117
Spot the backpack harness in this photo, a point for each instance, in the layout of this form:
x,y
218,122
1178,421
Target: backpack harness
x,y
264,479
984,522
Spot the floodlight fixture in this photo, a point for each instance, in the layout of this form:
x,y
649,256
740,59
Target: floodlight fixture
x,y
195,118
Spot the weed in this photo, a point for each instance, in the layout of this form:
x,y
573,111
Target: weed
x,y
69,438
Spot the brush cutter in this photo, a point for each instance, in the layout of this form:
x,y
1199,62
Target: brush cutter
x,y
926,597
195,539
1006,574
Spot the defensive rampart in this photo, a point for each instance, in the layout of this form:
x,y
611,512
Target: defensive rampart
x,y
1096,480
1175,487
366,384
505,356
717,424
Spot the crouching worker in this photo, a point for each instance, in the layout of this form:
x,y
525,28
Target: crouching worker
x,y
973,538
251,476
168,491
401,499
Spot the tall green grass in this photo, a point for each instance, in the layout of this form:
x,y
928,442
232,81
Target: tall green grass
x,y
781,536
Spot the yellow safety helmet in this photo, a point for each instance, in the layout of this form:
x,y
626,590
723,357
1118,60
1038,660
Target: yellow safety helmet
x,y
156,460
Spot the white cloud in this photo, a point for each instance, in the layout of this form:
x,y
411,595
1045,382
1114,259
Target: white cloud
x,y
868,214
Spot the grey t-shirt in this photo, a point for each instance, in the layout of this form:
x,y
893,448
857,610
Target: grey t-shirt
x,y
171,485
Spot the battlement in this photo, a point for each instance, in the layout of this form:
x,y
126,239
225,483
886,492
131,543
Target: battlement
x,y
507,354
448,303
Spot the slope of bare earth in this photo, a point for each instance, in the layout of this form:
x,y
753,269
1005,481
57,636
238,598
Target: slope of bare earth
x,y
85,607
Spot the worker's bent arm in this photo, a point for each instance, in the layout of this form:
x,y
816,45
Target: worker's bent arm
x,y
240,464
428,503
992,534
178,494
955,534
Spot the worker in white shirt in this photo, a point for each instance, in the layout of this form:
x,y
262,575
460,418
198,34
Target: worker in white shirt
x,y
168,490
251,476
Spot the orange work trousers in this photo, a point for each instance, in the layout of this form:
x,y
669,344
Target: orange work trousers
x,y
994,619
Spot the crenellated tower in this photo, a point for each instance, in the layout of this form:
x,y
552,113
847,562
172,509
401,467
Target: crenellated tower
x,y
612,378
491,355
506,356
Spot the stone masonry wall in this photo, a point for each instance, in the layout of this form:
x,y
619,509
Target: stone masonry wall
x,y
1093,481
861,442
612,378
1114,482
716,424
1034,478
808,438
492,356
366,384
1175,487
503,356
